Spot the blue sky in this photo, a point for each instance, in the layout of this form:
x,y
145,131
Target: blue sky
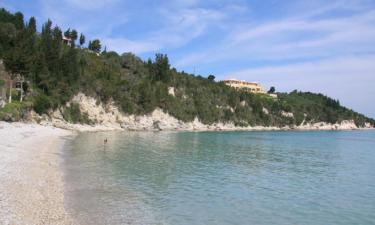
x,y
321,46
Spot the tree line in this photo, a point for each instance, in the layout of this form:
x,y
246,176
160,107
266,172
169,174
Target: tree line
x,y
57,65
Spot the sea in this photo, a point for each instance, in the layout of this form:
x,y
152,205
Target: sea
x,y
204,178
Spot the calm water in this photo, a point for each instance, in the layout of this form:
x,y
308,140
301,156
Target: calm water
x,y
222,178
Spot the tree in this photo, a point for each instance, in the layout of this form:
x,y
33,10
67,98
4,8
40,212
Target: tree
x,y
272,90
18,21
95,45
81,39
73,36
57,34
67,33
162,68
7,35
31,26
211,78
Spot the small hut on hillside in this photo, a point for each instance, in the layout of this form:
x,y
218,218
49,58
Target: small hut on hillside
x,y
68,41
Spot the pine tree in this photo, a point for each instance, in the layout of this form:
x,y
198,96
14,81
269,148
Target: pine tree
x,y
73,36
162,68
95,45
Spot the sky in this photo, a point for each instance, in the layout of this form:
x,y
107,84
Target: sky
x,y
319,46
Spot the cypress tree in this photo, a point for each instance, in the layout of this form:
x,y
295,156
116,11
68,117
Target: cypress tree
x,y
18,21
81,39
31,26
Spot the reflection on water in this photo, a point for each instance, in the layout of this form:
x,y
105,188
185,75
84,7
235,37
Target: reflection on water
x,y
222,178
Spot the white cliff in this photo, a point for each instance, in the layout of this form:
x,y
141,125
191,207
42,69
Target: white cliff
x,y
109,117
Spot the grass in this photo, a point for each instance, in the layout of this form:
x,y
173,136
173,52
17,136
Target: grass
x,y
15,111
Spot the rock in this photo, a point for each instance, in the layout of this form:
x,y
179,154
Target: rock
x,y
287,114
344,125
7,117
265,111
171,91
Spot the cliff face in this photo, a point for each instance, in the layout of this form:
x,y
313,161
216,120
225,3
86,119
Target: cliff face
x,y
109,117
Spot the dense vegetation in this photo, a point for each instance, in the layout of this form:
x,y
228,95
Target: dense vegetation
x,y
56,69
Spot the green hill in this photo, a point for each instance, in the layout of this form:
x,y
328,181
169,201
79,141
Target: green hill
x,y
55,70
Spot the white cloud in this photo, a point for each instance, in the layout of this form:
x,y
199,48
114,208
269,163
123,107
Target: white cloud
x,y
179,28
292,38
122,45
183,25
90,5
344,67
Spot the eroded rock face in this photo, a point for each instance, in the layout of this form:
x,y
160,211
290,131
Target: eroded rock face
x,y
109,117
368,125
265,111
344,125
171,91
287,114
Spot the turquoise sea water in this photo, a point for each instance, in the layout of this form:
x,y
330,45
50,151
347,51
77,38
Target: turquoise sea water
x,y
222,178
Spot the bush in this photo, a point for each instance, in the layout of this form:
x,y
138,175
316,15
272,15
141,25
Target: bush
x,y
42,104
73,114
15,111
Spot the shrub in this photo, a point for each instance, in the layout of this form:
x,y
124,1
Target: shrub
x,y
73,114
15,111
42,104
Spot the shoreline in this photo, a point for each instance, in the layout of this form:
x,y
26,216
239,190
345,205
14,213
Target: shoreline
x,y
107,117
199,127
31,177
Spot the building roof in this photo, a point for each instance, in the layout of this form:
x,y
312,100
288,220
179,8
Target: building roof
x,y
66,39
233,79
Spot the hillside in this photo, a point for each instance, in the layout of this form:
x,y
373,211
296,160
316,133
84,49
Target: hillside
x,y
56,70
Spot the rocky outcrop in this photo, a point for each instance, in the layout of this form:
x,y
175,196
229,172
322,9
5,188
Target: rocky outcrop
x,y
344,125
109,117
265,111
171,91
287,114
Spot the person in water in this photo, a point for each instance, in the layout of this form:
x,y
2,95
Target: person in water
x,y
105,141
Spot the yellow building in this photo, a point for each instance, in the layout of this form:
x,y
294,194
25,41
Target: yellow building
x,y
248,86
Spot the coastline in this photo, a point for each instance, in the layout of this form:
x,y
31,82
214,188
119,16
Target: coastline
x,y
107,117
31,180
155,124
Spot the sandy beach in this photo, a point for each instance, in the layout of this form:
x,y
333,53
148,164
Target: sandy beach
x,y
31,180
